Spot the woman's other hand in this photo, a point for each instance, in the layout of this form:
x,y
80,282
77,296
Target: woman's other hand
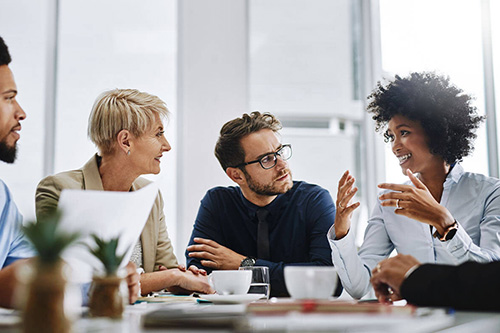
x,y
345,193
416,202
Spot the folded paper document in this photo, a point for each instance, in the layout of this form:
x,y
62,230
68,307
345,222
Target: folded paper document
x,y
108,215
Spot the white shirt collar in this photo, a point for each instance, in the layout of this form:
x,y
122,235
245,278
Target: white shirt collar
x,y
455,174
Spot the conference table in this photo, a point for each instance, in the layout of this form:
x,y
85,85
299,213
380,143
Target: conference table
x,y
192,316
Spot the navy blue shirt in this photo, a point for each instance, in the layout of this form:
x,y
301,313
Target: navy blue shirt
x,y
298,223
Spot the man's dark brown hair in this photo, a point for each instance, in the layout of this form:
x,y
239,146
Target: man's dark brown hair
x,y
228,149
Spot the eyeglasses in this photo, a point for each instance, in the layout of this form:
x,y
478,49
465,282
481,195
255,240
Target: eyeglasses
x,y
268,161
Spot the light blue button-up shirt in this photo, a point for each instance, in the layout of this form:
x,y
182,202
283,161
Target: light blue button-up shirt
x,y
472,199
13,243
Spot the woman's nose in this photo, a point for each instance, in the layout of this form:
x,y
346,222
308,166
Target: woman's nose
x,y
166,145
396,146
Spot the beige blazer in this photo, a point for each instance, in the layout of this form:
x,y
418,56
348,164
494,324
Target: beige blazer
x,y
156,246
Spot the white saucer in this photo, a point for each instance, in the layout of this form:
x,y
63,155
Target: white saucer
x,y
245,298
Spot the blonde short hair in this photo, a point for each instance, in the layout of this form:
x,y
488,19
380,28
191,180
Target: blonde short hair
x,y
119,109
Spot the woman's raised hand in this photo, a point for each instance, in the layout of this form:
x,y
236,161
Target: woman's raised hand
x,y
345,193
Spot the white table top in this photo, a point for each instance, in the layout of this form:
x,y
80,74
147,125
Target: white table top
x,y
436,320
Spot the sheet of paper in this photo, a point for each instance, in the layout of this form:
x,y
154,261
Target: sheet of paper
x,y
108,215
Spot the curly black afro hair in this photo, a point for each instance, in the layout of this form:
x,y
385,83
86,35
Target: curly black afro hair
x,y
444,111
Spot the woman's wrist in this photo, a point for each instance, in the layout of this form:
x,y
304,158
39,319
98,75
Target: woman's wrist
x,y
159,280
445,222
339,234
173,277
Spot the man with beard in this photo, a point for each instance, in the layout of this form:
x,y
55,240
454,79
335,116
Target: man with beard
x,y
268,219
13,244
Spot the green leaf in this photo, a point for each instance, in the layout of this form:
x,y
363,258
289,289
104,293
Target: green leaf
x,y
105,251
47,240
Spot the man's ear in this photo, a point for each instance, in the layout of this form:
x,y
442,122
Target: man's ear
x,y
123,140
236,175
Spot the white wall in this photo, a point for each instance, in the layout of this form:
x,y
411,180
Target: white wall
x,y
212,86
301,58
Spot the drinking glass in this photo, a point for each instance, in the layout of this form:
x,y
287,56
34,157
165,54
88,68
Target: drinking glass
x,y
260,280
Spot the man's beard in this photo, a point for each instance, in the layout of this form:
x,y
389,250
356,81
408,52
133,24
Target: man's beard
x,y
7,154
267,189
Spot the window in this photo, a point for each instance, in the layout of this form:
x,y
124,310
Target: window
x,y
442,36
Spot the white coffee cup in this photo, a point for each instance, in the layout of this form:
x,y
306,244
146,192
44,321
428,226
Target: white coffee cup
x,y
231,282
310,282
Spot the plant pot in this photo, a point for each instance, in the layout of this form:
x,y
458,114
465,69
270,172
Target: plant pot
x,y
44,307
107,297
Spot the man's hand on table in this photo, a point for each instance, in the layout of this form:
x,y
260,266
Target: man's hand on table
x,y
388,276
214,255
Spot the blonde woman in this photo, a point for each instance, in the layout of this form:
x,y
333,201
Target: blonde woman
x,y
126,126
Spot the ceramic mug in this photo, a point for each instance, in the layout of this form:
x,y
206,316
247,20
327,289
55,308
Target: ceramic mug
x,y
310,282
231,282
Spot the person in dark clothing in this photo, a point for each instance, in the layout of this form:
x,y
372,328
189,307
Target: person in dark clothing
x,y
268,219
469,286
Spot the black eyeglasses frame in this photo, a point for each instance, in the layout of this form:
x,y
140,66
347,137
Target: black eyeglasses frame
x,y
276,153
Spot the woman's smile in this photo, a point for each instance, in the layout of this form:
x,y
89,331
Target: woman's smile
x,y
403,158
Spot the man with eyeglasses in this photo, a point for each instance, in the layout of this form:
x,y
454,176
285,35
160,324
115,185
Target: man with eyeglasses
x,y
268,219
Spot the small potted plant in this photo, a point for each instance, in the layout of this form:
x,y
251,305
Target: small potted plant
x,y
44,307
107,297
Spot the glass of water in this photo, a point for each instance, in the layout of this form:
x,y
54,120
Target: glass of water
x,y
260,280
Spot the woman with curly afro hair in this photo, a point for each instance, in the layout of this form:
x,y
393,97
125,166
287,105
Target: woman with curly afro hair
x,y
442,214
